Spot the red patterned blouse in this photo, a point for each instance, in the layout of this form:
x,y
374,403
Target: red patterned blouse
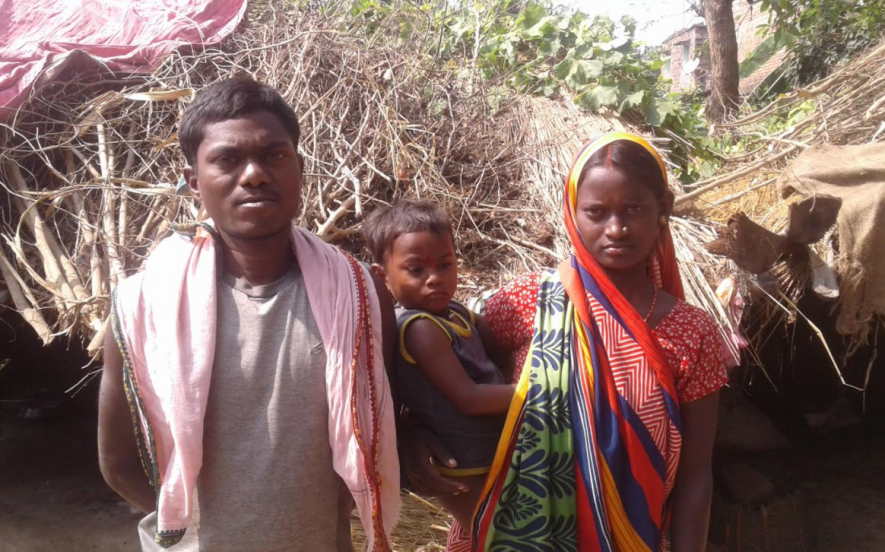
x,y
688,335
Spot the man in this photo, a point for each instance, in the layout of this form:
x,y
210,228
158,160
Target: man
x,y
234,348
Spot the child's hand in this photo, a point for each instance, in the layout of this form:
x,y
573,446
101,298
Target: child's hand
x,y
421,452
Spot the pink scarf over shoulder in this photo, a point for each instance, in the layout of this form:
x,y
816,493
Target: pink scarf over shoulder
x,y
164,322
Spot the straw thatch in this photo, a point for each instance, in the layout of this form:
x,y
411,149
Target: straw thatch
x,y
846,108
90,163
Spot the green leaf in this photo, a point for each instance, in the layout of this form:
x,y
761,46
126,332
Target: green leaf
x,y
657,110
544,27
547,87
629,25
592,68
633,100
759,57
550,46
530,16
598,96
577,78
614,58
563,69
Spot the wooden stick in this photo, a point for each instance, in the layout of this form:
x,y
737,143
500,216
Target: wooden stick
x,y
45,243
16,288
124,198
733,176
108,223
324,229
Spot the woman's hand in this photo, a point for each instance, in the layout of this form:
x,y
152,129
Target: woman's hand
x,y
693,490
420,452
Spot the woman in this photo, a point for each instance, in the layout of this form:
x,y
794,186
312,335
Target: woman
x,y
608,442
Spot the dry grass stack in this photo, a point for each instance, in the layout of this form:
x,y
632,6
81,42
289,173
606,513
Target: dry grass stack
x,y
846,108
90,163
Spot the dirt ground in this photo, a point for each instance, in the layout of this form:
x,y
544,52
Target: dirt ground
x,y
842,481
52,496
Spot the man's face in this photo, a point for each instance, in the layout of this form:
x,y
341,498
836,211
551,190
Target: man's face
x,y
248,176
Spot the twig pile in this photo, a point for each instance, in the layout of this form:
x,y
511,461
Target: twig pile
x,y
90,163
848,108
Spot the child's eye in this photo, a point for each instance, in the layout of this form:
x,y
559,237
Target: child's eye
x,y
276,155
593,212
414,270
445,265
635,209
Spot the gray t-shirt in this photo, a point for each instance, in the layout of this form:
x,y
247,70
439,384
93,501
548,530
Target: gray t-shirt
x,y
267,482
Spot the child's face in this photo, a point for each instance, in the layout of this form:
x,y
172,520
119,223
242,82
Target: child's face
x,y
421,271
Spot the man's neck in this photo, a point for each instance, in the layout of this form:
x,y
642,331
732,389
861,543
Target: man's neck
x,y
258,261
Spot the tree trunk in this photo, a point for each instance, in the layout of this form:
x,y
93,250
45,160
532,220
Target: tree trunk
x,y
723,59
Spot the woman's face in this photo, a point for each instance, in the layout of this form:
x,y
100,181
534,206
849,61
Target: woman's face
x,y
618,217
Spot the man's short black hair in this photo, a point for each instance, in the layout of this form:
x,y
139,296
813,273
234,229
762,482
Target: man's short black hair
x,y
230,99
406,216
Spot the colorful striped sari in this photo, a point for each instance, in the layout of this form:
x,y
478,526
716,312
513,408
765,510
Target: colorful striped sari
x,y
590,448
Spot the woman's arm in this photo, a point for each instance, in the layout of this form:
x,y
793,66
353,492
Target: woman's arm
x,y
693,490
432,351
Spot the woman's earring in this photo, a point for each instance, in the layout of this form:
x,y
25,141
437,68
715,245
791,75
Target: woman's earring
x,y
663,220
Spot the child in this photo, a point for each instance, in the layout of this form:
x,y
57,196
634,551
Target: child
x,y
444,376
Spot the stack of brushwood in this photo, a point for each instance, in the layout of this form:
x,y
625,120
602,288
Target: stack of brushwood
x,y
786,245
90,164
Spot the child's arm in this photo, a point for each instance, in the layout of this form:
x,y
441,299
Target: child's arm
x,y
432,351
500,355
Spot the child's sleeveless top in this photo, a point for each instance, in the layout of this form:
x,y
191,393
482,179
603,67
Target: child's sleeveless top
x,y
472,440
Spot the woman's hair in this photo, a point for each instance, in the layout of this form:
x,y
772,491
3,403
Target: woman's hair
x,y
631,158
406,216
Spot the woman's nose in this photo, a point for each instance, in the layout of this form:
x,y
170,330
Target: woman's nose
x,y
615,229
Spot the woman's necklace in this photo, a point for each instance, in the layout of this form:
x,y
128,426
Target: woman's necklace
x,y
654,301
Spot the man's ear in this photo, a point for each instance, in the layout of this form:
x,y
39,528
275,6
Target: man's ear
x,y
300,163
190,176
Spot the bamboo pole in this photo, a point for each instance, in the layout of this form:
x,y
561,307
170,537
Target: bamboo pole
x,y
108,223
24,301
49,250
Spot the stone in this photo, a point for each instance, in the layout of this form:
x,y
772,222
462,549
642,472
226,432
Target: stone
x,y
746,485
746,429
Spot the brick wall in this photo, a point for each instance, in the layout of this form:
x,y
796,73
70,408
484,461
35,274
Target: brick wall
x,y
747,19
693,37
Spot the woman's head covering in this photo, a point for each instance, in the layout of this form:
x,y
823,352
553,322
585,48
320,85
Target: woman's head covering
x,y
662,262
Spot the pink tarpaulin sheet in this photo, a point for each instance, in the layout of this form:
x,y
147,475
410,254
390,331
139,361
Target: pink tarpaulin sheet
x,y
37,37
